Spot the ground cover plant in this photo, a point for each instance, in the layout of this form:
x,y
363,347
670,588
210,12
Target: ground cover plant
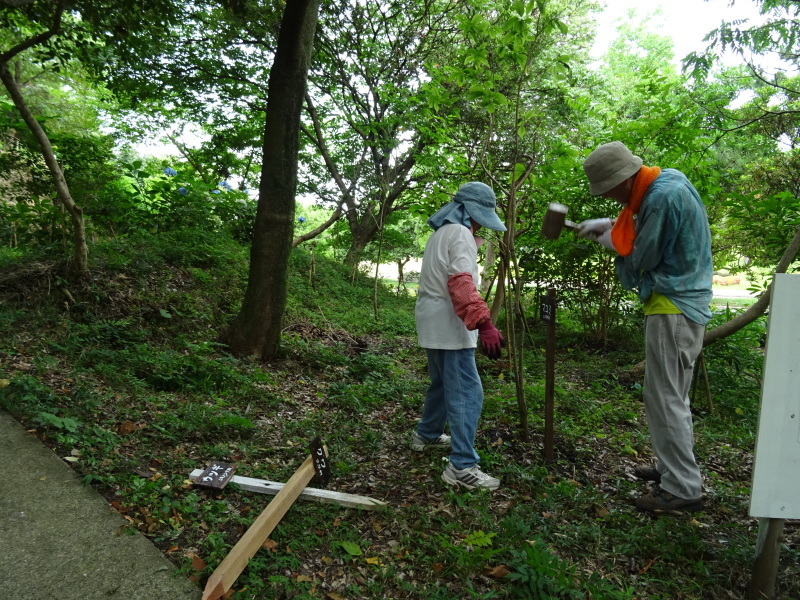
x,y
122,375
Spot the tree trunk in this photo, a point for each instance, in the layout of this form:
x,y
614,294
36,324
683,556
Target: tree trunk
x,y
491,259
500,291
81,252
363,233
257,328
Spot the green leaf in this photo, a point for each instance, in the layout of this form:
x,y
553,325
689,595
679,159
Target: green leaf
x,y
351,548
164,313
479,539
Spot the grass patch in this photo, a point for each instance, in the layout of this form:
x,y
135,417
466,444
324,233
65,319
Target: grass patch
x,y
129,381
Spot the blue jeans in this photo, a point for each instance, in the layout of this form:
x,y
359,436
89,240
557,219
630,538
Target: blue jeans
x,y
455,396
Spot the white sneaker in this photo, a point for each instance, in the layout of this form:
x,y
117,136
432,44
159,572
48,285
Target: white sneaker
x,y
418,444
470,478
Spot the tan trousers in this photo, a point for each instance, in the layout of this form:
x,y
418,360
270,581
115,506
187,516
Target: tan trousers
x,y
672,343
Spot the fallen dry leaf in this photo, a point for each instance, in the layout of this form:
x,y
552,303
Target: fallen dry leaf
x,y
198,564
645,568
497,572
270,545
126,428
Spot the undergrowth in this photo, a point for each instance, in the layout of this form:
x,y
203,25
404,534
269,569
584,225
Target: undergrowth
x,y
123,374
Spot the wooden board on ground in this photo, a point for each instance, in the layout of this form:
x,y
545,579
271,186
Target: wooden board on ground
x,y
262,486
225,575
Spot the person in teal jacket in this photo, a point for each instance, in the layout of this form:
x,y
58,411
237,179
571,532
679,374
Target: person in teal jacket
x,y
663,241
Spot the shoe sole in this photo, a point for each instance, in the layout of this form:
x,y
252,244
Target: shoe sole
x,y
458,482
423,447
647,476
693,507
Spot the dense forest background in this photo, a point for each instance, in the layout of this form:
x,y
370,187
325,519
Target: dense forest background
x,y
162,311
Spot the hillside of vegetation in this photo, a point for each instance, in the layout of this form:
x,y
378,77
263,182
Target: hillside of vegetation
x,y
121,374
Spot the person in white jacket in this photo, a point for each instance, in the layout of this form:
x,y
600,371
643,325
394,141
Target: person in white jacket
x,y
449,315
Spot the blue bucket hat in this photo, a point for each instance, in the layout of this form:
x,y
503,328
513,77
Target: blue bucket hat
x,y
480,203
474,201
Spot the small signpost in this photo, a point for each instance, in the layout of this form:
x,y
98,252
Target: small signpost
x,y
320,458
217,475
548,315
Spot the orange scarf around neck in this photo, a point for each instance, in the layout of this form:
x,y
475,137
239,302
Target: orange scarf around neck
x,y
623,233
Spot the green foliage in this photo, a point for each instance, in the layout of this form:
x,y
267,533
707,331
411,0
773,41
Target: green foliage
x,y
27,394
539,575
203,422
735,365
65,423
162,198
314,283
137,400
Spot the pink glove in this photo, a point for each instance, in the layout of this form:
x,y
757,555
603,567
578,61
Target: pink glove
x,y
492,342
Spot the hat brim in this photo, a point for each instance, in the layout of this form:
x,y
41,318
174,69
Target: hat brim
x,y
484,217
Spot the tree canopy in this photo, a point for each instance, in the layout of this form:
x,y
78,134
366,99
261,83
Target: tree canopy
x,y
405,100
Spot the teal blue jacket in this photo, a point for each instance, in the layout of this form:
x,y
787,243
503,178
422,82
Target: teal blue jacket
x,y
672,251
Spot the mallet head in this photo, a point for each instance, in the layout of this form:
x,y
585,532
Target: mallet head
x,y
555,219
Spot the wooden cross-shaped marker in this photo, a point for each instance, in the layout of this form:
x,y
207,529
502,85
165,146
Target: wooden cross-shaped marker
x,y
224,576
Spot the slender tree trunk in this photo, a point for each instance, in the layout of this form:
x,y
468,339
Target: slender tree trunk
x,y
257,328
491,259
81,252
500,291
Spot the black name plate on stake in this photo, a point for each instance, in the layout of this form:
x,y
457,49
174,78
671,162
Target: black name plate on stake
x,y
548,309
217,475
320,459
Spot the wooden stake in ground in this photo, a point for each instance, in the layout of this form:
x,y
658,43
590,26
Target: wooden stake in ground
x,y
548,315
223,578
765,567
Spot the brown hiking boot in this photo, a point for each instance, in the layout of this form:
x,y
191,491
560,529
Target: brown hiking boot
x,y
659,499
647,472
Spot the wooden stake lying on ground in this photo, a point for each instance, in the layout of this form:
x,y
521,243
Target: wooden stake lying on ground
x,y
263,486
223,578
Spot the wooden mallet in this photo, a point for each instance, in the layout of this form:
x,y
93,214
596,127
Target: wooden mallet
x,y
555,219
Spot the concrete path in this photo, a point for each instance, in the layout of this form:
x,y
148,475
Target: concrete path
x,y
59,539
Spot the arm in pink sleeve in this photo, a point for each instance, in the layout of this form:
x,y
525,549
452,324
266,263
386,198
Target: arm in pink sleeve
x,y
467,302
